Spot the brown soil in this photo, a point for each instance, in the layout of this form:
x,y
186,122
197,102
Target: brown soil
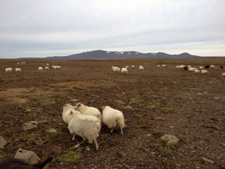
x,y
187,105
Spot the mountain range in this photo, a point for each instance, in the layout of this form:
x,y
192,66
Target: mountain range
x,y
101,54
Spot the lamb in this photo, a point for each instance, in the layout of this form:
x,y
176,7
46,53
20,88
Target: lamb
x,y
204,71
13,163
66,111
124,71
86,126
223,74
18,70
9,69
141,67
115,69
88,110
40,68
113,118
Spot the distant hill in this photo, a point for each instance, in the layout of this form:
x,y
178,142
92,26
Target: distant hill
x,y
101,54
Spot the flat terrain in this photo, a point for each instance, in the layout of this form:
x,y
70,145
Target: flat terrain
x,y
155,102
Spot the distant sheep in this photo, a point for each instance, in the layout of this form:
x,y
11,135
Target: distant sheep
x,y
204,71
113,118
9,69
124,71
212,66
185,68
221,67
46,68
56,67
132,66
87,110
141,67
18,70
40,68
223,74
127,67
47,64
14,163
86,126
191,69
197,71
115,69
200,67
207,66
164,66
158,66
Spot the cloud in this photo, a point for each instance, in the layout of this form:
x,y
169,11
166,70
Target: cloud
x,y
46,27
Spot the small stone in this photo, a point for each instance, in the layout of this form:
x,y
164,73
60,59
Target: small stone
x,y
87,148
29,126
148,135
52,130
170,139
3,142
128,108
27,156
207,160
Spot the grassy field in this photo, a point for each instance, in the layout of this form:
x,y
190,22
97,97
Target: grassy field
x,y
155,102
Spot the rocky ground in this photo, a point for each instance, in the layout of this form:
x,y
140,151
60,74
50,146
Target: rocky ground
x,y
155,102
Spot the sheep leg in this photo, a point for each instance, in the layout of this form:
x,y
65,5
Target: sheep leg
x,y
96,144
121,130
73,136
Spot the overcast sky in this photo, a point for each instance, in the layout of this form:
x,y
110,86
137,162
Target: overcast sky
x,y
40,28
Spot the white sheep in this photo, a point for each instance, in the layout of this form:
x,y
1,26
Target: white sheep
x,y
46,68
40,68
113,118
158,66
132,66
9,69
201,67
56,67
66,111
212,66
191,69
127,67
18,70
87,110
197,71
47,64
204,71
223,74
115,69
86,126
163,65
141,67
124,71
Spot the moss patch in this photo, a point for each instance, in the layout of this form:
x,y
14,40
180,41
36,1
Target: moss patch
x,y
70,157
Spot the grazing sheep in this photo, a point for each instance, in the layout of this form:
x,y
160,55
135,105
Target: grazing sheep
x,y
212,66
127,67
141,67
163,65
124,71
46,68
113,118
223,74
13,163
158,66
132,66
56,67
66,111
47,64
18,70
191,69
180,66
200,67
9,69
207,66
204,71
40,68
86,126
186,68
115,69
197,71
87,110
